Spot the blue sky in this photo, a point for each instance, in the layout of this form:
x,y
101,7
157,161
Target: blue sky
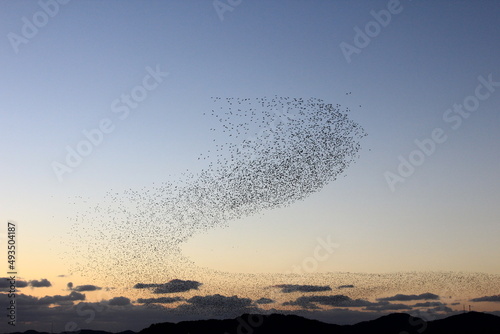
x,y
429,57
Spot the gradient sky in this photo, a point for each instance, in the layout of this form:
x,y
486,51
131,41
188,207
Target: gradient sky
x,y
444,218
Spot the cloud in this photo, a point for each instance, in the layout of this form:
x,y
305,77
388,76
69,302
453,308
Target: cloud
x,y
43,283
62,275
287,288
87,287
432,312
26,300
345,286
487,299
173,286
307,302
177,285
5,283
119,301
219,300
97,316
400,297
57,299
22,299
387,307
114,319
430,304
146,286
80,315
444,309
217,305
161,300
264,301
70,285
311,303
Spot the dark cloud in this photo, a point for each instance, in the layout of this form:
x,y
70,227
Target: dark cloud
x,y
345,286
57,299
174,286
431,314
439,309
264,301
161,300
487,299
70,285
387,307
302,302
219,300
43,283
429,304
102,316
217,306
62,275
119,301
177,285
312,302
26,300
400,297
87,287
96,316
308,302
287,288
5,283
145,286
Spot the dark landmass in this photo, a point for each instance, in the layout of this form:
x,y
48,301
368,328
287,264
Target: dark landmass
x,y
396,323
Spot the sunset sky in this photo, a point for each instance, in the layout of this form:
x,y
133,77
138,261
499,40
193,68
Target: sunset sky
x,y
414,214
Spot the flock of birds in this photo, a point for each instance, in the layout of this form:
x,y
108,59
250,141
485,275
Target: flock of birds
x,y
277,151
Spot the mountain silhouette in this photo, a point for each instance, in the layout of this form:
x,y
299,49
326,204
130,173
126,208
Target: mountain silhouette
x,y
471,322
247,323
395,323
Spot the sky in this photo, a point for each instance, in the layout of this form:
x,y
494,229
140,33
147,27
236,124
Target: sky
x,y
393,206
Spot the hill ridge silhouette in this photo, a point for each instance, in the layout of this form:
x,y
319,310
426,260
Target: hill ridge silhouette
x,y
394,323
